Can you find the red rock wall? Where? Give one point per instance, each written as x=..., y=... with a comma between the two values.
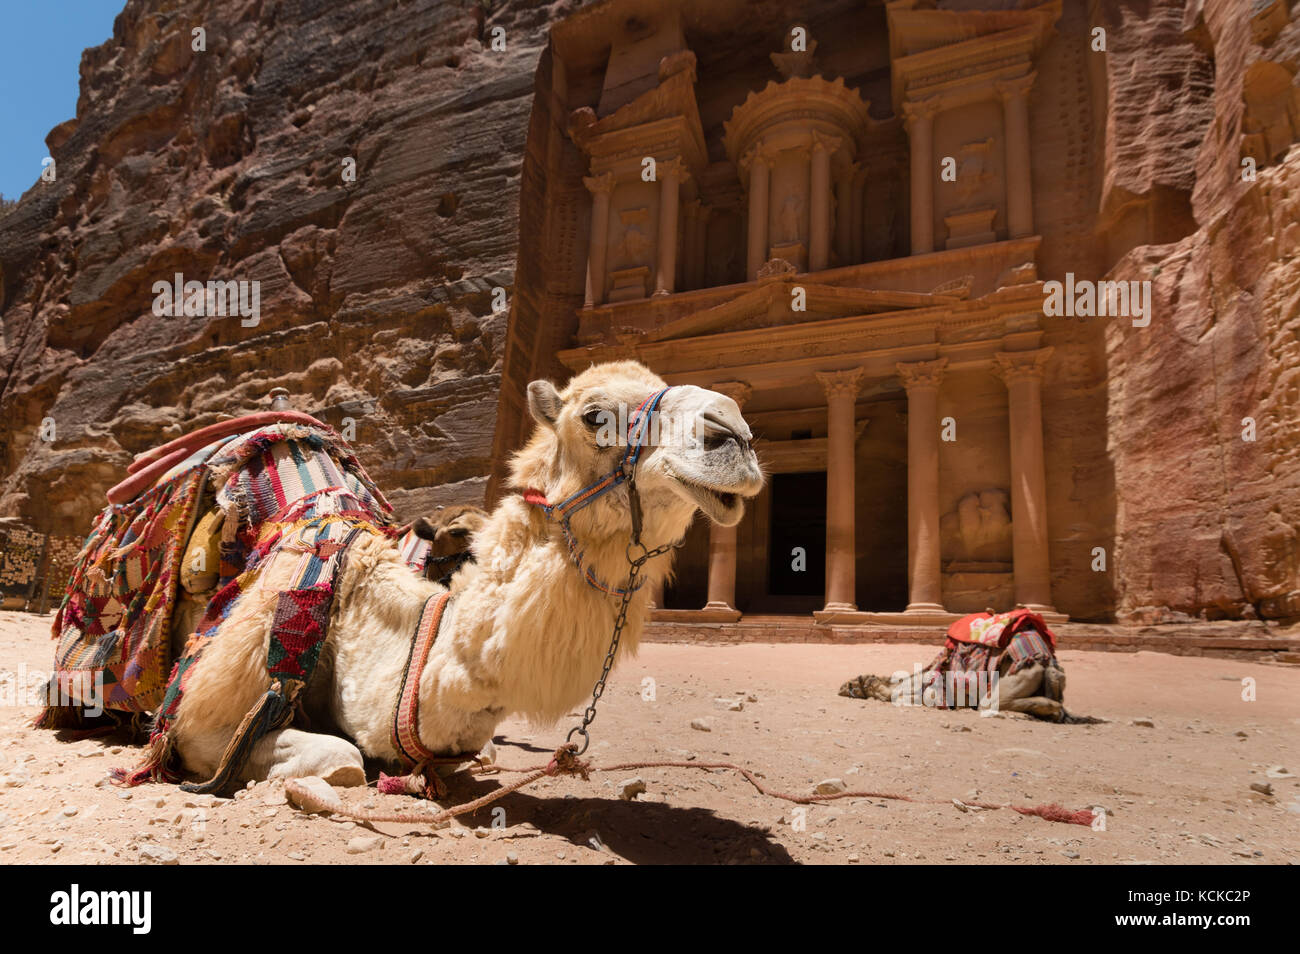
x=1206, y=521
x=227, y=164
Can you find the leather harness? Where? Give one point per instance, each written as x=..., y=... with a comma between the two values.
x=406, y=714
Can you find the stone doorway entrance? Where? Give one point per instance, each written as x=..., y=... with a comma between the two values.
x=796, y=550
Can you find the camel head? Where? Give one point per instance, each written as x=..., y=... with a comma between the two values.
x=450, y=530
x=697, y=455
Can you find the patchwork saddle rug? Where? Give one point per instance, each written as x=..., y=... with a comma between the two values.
x=981, y=643
x=977, y=646
x=287, y=494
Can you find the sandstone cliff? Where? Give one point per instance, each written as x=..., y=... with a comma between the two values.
x=1204, y=405
x=228, y=163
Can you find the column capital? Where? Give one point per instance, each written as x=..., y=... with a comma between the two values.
x=1016, y=365
x=840, y=383
x=1016, y=87
x=738, y=391
x=823, y=142
x=757, y=153
x=922, y=374
x=601, y=184
x=672, y=168
x=920, y=109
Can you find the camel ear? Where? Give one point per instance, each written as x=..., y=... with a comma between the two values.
x=544, y=403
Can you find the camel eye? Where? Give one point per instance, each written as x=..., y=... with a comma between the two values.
x=459, y=532
x=594, y=418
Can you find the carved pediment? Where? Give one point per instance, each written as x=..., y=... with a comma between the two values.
x=770, y=305
x=664, y=119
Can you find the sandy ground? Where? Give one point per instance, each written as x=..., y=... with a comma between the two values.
x=1178, y=790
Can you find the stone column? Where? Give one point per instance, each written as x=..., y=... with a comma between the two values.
x=722, y=540
x=1015, y=109
x=844, y=215
x=1022, y=372
x=670, y=173
x=841, y=389
x=925, y=584
x=760, y=169
x=920, y=132
x=601, y=187
x=819, y=197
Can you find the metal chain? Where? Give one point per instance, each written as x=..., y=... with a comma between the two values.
x=634, y=571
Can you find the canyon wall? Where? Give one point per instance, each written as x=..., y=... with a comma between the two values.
x=1204, y=404
x=376, y=295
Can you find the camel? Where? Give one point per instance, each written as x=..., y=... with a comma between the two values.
x=450, y=531
x=1029, y=678
x=526, y=630
x=1038, y=689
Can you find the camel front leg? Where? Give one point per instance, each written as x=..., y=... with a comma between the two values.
x=293, y=753
x=1020, y=693
x=1038, y=706
x=229, y=680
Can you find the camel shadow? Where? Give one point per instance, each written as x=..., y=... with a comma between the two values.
x=645, y=833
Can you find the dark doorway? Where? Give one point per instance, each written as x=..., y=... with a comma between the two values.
x=797, y=549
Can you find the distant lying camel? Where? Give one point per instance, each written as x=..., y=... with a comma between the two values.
x=1005, y=662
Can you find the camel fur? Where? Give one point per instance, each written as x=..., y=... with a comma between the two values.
x=524, y=633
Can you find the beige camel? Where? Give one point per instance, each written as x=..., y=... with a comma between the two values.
x=1038, y=689
x=525, y=632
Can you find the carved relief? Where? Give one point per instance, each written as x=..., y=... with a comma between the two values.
x=976, y=534
x=922, y=374
x=634, y=246
x=973, y=168
x=790, y=219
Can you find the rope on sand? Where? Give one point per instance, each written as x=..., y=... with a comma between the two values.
x=566, y=762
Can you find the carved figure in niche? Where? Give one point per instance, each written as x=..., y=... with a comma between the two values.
x=790, y=219
x=979, y=530
x=633, y=248
x=973, y=168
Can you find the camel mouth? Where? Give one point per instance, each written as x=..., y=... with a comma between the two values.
x=723, y=506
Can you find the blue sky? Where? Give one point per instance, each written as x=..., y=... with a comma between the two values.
x=40, y=55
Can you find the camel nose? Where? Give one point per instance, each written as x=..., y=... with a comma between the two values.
x=716, y=430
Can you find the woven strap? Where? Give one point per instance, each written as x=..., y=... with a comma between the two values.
x=406, y=717
x=638, y=436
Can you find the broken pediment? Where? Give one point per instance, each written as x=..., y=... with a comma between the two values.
x=771, y=304
x=663, y=120
x=937, y=50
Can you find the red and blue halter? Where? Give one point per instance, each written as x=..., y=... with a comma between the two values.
x=625, y=472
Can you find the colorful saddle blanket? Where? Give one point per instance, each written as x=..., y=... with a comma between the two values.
x=114, y=624
x=975, y=649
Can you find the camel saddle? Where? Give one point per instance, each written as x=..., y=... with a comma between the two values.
x=172, y=538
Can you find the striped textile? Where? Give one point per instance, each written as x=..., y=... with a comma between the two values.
x=979, y=644
x=272, y=468
x=415, y=551
x=406, y=714
x=1026, y=647
x=113, y=625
